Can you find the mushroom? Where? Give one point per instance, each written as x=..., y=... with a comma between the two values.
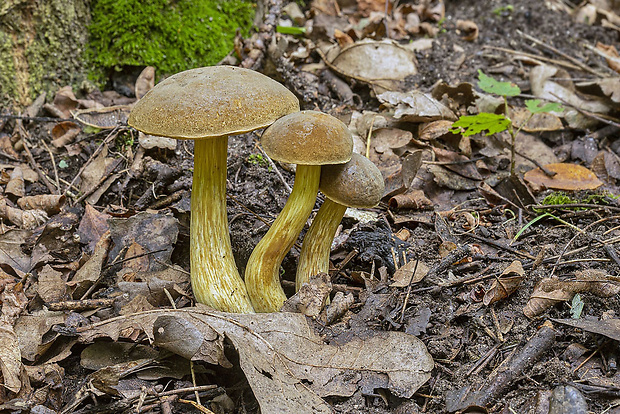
x=309, y=139
x=207, y=105
x=359, y=184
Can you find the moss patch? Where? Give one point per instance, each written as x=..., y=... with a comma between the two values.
x=170, y=35
x=41, y=44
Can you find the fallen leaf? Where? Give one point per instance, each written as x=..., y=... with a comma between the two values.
x=550, y=291
x=92, y=226
x=391, y=62
x=287, y=365
x=415, y=106
x=404, y=275
x=103, y=118
x=414, y=199
x=467, y=29
x=506, y=284
x=568, y=177
x=145, y=81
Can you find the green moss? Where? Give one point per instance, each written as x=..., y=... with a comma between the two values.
x=172, y=35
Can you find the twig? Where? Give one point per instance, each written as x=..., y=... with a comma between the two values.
x=559, y=53
x=276, y=170
x=34, y=164
x=532, y=56
x=53, y=165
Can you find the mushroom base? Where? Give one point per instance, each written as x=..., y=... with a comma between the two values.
x=215, y=279
x=262, y=274
x=314, y=256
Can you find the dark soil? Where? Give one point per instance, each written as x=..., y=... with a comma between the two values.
x=446, y=312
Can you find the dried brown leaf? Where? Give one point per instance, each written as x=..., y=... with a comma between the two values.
x=569, y=177
x=279, y=352
x=507, y=283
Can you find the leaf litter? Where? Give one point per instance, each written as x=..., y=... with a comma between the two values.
x=95, y=225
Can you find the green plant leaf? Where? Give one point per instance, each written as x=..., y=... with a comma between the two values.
x=576, y=307
x=476, y=124
x=535, y=107
x=490, y=85
x=297, y=31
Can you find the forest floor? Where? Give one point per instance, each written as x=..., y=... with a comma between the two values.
x=508, y=282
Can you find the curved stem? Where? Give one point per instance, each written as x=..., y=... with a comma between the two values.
x=215, y=278
x=314, y=256
x=262, y=276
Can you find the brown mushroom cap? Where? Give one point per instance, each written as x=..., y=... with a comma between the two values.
x=210, y=102
x=358, y=183
x=308, y=138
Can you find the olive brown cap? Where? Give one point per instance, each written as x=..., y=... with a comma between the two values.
x=358, y=183
x=308, y=138
x=212, y=101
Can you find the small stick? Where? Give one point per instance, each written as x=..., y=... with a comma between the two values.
x=53, y=165
x=276, y=170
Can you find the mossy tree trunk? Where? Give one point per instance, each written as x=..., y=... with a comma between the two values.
x=41, y=45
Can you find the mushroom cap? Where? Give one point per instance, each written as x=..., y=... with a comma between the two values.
x=210, y=102
x=309, y=138
x=358, y=183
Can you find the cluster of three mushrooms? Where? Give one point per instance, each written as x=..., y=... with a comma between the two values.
x=209, y=104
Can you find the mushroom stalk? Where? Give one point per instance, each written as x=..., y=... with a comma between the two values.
x=214, y=275
x=314, y=256
x=262, y=274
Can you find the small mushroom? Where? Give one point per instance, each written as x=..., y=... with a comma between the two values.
x=207, y=105
x=359, y=184
x=309, y=139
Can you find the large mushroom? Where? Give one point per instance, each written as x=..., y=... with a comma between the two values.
x=358, y=184
x=309, y=139
x=207, y=105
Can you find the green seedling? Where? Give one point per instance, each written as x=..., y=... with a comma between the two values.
x=489, y=123
x=62, y=164
x=258, y=159
x=576, y=307
x=504, y=11
x=291, y=30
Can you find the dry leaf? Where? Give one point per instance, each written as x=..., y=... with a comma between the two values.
x=414, y=199
x=287, y=365
x=569, y=177
x=145, y=81
x=92, y=227
x=391, y=62
x=507, y=283
x=404, y=275
x=467, y=29
x=14, y=377
x=50, y=203
x=550, y=291
x=51, y=285
x=16, y=185
x=415, y=106
x=103, y=118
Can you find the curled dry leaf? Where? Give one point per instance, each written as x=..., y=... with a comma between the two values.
x=539, y=122
x=50, y=203
x=311, y=297
x=399, y=181
x=64, y=133
x=610, y=53
x=145, y=81
x=24, y=219
x=14, y=302
x=569, y=177
x=287, y=365
x=16, y=185
x=414, y=199
x=550, y=291
x=415, y=106
x=507, y=283
x=467, y=29
x=103, y=118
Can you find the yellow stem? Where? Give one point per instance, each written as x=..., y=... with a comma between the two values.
x=314, y=256
x=215, y=278
x=262, y=274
